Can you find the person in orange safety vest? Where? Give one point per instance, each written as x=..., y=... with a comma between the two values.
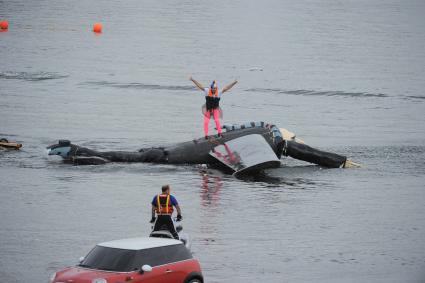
x=163, y=206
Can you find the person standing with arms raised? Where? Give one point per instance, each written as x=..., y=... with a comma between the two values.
x=212, y=97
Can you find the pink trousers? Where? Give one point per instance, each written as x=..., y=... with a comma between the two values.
x=207, y=116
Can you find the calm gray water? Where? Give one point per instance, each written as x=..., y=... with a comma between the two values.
x=345, y=76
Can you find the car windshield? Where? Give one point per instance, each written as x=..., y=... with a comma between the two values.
x=122, y=260
x=110, y=259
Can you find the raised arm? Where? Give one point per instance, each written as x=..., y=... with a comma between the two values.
x=201, y=87
x=229, y=86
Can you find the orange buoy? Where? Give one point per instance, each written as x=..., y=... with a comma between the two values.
x=97, y=27
x=4, y=25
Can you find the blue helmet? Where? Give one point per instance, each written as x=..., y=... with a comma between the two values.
x=213, y=84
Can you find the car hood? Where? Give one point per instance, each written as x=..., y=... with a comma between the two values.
x=85, y=275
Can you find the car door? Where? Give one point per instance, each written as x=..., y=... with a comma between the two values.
x=155, y=258
x=178, y=258
x=158, y=274
x=176, y=272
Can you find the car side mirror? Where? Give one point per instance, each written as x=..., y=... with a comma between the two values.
x=80, y=260
x=145, y=268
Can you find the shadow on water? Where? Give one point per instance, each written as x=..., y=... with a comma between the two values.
x=280, y=177
x=262, y=177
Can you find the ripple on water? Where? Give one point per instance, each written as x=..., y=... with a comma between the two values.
x=138, y=86
x=31, y=76
x=318, y=93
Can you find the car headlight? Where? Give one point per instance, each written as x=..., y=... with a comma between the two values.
x=99, y=280
x=52, y=277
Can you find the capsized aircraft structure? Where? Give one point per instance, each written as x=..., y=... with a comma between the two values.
x=242, y=149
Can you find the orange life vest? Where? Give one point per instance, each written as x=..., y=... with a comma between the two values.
x=163, y=204
x=211, y=94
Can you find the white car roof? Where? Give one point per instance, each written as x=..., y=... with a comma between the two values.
x=139, y=243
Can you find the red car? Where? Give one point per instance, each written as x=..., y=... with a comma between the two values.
x=136, y=260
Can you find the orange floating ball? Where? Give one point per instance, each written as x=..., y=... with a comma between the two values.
x=97, y=27
x=4, y=25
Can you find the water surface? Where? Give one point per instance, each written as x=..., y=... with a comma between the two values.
x=345, y=76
